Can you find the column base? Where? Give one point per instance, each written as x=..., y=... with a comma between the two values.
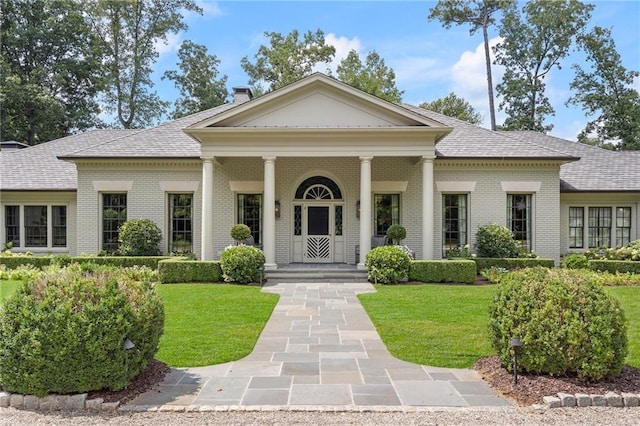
x=361, y=267
x=270, y=266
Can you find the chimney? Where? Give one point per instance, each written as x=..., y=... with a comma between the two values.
x=242, y=94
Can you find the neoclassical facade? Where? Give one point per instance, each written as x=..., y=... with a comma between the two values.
x=316, y=169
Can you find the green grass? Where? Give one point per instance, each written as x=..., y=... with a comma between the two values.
x=629, y=298
x=446, y=325
x=436, y=325
x=208, y=324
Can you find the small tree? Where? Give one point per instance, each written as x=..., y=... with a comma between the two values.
x=396, y=233
x=240, y=232
x=139, y=237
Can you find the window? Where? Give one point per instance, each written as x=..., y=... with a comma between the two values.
x=12, y=224
x=35, y=226
x=576, y=227
x=599, y=227
x=250, y=213
x=623, y=226
x=387, y=212
x=180, y=229
x=519, y=218
x=454, y=222
x=114, y=214
x=59, y=226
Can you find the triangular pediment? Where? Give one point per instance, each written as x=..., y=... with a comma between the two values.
x=317, y=101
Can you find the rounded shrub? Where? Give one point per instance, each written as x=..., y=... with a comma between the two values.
x=396, y=233
x=242, y=264
x=496, y=241
x=567, y=323
x=240, y=232
x=575, y=261
x=387, y=264
x=139, y=237
x=64, y=332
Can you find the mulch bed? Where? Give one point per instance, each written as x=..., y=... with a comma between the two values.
x=532, y=388
x=147, y=380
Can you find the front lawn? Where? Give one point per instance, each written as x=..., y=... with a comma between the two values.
x=446, y=325
x=205, y=324
x=208, y=324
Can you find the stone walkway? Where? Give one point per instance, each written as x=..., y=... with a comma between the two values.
x=319, y=349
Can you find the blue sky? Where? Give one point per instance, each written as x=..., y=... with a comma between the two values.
x=429, y=61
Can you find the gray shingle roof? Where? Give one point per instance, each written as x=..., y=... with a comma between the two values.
x=38, y=168
x=597, y=170
x=469, y=141
x=164, y=141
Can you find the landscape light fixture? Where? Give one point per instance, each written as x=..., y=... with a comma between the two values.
x=515, y=345
x=127, y=344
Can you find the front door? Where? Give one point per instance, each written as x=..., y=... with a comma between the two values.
x=318, y=241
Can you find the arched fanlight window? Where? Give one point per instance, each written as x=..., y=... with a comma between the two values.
x=318, y=188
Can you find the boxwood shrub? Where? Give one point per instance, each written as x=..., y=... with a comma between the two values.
x=575, y=261
x=510, y=264
x=566, y=321
x=613, y=266
x=242, y=264
x=387, y=264
x=64, y=332
x=139, y=237
x=188, y=271
x=443, y=271
x=12, y=262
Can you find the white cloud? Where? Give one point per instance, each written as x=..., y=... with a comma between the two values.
x=172, y=44
x=209, y=8
x=569, y=130
x=343, y=46
x=469, y=77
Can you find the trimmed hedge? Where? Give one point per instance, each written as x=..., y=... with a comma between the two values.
x=13, y=262
x=64, y=332
x=189, y=271
x=508, y=263
x=443, y=271
x=614, y=266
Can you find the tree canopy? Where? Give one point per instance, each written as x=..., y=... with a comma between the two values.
x=454, y=106
x=534, y=42
x=372, y=76
x=197, y=80
x=607, y=93
x=286, y=59
x=50, y=70
x=479, y=14
x=128, y=32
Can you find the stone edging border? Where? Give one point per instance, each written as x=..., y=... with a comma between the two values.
x=55, y=402
x=610, y=399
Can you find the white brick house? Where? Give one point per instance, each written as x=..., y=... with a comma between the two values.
x=315, y=169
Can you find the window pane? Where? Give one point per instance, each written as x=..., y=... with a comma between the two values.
x=12, y=224
x=387, y=212
x=623, y=226
x=318, y=220
x=180, y=223
x=250, y=213
x=297, y=220
x=454, y=222
x=59, y=225
x=519, y=217
x=338, y=220
x=576, y=227
x=35, y=226
x=114, y=214
x=599, y=227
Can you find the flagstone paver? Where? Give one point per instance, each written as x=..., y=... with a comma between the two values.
x=319, y=348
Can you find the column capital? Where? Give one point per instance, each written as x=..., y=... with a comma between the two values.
x=365, y=158
x=272, y=159
x=208, y=159
x=428, y=158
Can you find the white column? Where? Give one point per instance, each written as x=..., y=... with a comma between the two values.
x=269, y=219
x=427, y=208
x=365, y=209
x=206, y=244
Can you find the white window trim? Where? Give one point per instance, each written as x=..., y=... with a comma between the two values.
x=452, y=187
x=179, y=187
x=21, y=209
x=521, y=187
x=389, y=186
x=112, y=185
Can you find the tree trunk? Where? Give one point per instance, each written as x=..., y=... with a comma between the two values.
x=487, y=58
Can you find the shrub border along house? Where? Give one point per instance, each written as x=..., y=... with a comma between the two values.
x=178, y=270
x=12, y=262
x=483, y=263
x=443, y=271
x=613, y=266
